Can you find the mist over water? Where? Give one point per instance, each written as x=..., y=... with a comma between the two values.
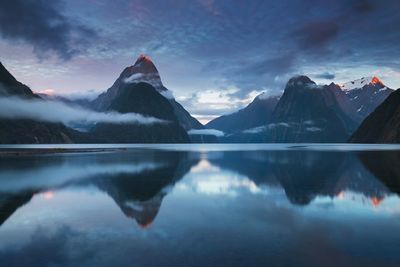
x=197, y=206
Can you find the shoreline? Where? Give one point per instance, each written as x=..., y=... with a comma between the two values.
x=45, y=151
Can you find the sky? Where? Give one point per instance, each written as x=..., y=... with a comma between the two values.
x=214, y=55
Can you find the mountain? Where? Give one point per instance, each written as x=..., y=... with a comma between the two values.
x=26, y=131
x=257, y=113
x=360, y=97
x=144, y=71
x=144, y=99
x=308, y=112
x=9, y=86
x=382, y=125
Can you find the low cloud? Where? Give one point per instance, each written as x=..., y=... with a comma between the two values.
x=134, y=78
x=167, y=94
x=255, y=130
x=53, y=111
x=206, y=132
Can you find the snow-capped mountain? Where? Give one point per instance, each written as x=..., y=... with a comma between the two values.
x=361, y=97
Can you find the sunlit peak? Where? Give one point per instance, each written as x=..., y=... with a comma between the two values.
x=376, y=80
x=144, y=57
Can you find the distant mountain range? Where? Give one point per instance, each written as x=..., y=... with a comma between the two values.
x=306, y=112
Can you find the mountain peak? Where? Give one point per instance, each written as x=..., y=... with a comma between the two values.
x=300, y=80
x=145, y=65
x=143, y=70
x=143, y=59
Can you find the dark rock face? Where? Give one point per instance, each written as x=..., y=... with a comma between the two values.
x=257, y=113
x=184, y=118
x=33, y=132
x=144, y=99
x=307, y=112
x=382, y=125
x=10, y=86
x=24, y=131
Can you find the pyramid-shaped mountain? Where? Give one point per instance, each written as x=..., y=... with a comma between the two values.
x=144, y=71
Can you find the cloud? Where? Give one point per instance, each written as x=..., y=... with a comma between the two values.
x=325, y=75
x=42, y=25
x=317, y=34
x=47, y=247
x=206, y=132
x=52, y=111
x=167, y=94
x=363, y=6
x=133, y=78
x=255, y=130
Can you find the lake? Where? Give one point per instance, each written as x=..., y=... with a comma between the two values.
x=201, y=205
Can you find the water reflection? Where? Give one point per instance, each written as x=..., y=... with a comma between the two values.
x=137, y=182
x=304, y=175
x=245, y=208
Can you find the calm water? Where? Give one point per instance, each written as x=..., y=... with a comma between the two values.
x=211, y=205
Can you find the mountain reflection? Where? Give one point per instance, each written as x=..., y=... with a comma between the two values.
x=385, y=166
x=304, y=175
x=138, y=181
